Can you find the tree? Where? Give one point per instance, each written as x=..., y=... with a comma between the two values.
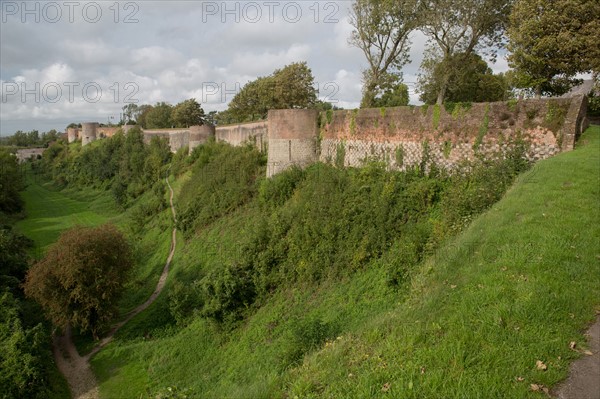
x=211, y=118
x=81, y=277
x=459, y=27
x=289, y=87
x=395, y=95
x=130, y=112
x=24, y=353
x=474, y=81
x=141, y=114
x=550, y=41
x=381, y=31
x=159, y=116
x=11, y=182
x=188, y=113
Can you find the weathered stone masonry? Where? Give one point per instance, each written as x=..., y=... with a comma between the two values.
x=401, y=137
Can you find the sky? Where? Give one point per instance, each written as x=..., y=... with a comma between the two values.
x=80, y=61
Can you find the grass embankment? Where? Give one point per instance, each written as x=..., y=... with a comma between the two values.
x=515, y=287
x=51, y=211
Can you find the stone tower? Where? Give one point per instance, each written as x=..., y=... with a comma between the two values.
x=72, y=134
x=88, y=132
x=293, y=135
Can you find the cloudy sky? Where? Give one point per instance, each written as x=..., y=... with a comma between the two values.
x=75, y=61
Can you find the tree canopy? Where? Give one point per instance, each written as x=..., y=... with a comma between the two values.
x=470, y=80
x=11, y=182
x=187, y=113
x=457, y=28
x=289, y=87
x=159, y=116
x=81, y=277
x=381, y=31
x=550, y=41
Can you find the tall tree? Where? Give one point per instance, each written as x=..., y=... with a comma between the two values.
x=289, y=87
x=395, y=95
x=381, y=31
x=141, y=113
x=159, y=116
x=550, y=41
x=188, y=113
x=81, y=277
x=458, y=27
x=129, y=112
x=11, y=182
x=474, y=81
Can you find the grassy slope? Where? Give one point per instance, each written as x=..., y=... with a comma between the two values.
x=49, y=211
x=516, y=287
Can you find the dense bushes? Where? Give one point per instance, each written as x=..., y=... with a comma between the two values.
x=324, y=222
x=122, y=163
x=11, y=182
x=81, y=277
x=223, y=178
x=24, y=339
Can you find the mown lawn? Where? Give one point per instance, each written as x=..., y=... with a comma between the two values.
x=516, y=287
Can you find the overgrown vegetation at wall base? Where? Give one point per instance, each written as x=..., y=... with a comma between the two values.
x=122, y=163
x=325, y=223
x=471, y=320
x=26, y=368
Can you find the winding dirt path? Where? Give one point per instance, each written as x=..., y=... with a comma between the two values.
x=76, y=368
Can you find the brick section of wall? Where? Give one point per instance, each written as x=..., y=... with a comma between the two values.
x=447, y=138
x=293, y=135
x=252, y=132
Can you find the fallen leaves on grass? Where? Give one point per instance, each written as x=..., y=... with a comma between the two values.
x=541, y=366
x=539, y=388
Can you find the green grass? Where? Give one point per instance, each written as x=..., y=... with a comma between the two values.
x=516, y=287
x=49, y=211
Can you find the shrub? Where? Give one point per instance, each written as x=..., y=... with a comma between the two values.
x=277, y=190
x=223, y=178
x=81, y=277
x=305, y=336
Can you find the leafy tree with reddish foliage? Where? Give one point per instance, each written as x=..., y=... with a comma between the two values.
x=81, y=277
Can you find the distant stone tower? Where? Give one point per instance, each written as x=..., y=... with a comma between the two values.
x=72, y=134
x=200, y=135
x=88, y=132
x=293, y=135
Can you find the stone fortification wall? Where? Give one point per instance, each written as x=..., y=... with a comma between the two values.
x=88, y=132
x=408, y=136
x=200, y=135
x=252, y=132
x=293, y=137
x=72, y=134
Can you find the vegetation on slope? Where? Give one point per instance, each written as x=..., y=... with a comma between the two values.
x=26, y=369
x=256, y=294
x=350, y=282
